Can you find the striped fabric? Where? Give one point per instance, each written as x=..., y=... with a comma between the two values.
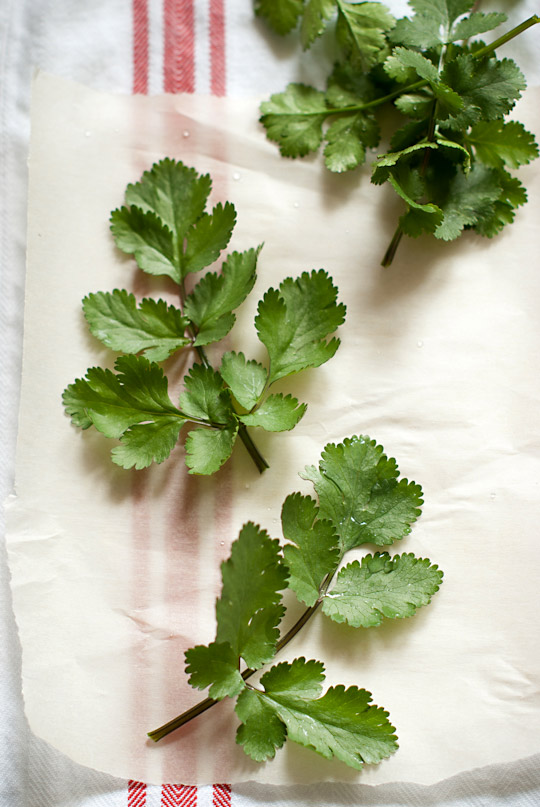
x=170, y=66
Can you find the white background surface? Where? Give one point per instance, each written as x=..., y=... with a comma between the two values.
x=95, y=48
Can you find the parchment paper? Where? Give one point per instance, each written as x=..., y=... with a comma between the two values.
x=115, y=573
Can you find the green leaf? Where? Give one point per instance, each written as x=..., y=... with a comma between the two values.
x=387, y=160
x=249, y=609
x=497, y=143
x=360, y=494
x=407, y=183
x=492, y=219
x=477, y=23
x=488, y=88
x=281, y=15
x=261, y=731
x=209, y=235
x=341, y=723
x=316, y=15
x=173, y=192
x=402, y=60
x=143, y=235
x=293, y=119
x=468, y=198
x=166, y=228
x=215, y=666
x=315, y=553
x=113, y=402
x=208, y=449
x=145, y=443
x=294, y=321
x=381, y=586
x=432, y=25
x=361, y=32
x=153, y=327
x=416, y=105
x=214, y=298
x=347, y=139
x=278, y=413
x=246, y=379
x=205, y=396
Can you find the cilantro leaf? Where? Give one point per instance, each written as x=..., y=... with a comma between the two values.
x=497, y=143
x=174, y=193
x=214, y=298
x=316, y=15
x=293, y=323
x=281, y=15
x=468, y=198
x=143, y=235
x=165, y=226
x=246, y=378
x=215, y=666
x=361, y=32
x=293, y=119
x=313, y=553
x=487, y=87
x=208, y=449
x=145, y=443
x=138, y=392
x=207, y=237
x=491, y=219
x=477, y=23
x=261, y=731
x=381, y=586
x=278, y=413
x=205, y=397
x=249, y=609
x=360, y=494
x=155, y=328
x=436, y=22
x=341, y=723
x=347, y=139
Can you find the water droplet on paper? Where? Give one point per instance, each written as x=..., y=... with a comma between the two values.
x=222, y=543
x=185, y=133
x=296, y=204
x=87, y=134
x=236, y=176
x=492, y=495
x=420, y=343
x=247, y=486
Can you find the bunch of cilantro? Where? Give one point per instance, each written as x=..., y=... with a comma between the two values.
x=450, y=153
x=164, y=225
x=361, y=501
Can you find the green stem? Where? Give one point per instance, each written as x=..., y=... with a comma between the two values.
x=392, y=247
x=253, y=451
x=207, y=703
x=502, y=40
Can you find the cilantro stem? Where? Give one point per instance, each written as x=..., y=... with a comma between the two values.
x=253, y=451
x=207, y=703
x=502, y=40
x=392, y=247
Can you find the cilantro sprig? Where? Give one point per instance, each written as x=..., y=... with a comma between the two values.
x=165, y=226
x=450, y=156
x=360, y=500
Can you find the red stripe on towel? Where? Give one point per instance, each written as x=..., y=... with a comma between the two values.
x=140, y=46
x=221, y=796
x=217, y=47
x=179, y=55
x=178, y=796
x=136, y=794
